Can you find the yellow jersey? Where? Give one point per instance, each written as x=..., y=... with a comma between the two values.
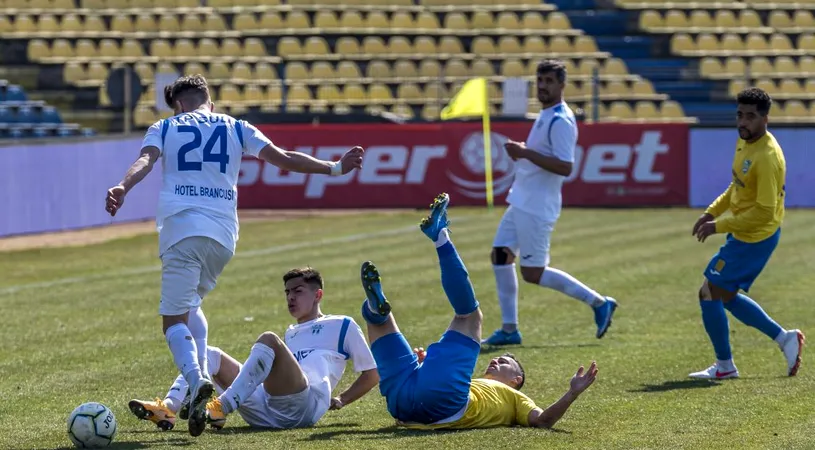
x=755, y=197
x=492, y=404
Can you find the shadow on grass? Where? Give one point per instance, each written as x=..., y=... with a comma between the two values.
x=676, y=385
x=251, y=430
x=392, y=432
x=172, y=442
x=487, y=349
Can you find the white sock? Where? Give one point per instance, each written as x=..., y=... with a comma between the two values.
x=175, y=396
x=506, y=283
x=197, y=323
x=214, y=360
x=726, y=366
x=781, y=338
x=184, y=353
x=444, y=237
x=571, y=286
x=254, y=371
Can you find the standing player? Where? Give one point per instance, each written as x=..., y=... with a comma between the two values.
x=435, y=389
x=282, y=384
x=197, y=217
x=755, y=198
x=543, y=162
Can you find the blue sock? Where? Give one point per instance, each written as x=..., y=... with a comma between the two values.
x=455, y=280
x=372, y=317
x=715, y=320
x=750, y=313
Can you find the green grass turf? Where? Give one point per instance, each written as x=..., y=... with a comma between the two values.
x=81, y=324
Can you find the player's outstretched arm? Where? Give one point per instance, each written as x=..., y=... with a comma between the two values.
x=304, y=163
x=366, y=381
x=138, y=170
x=580, y=382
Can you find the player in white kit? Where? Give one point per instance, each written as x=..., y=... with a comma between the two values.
x=283, y=384
x=197, y=218
x=542, y=163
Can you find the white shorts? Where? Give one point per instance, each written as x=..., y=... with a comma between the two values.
x=299, y=410
x=189, y=270
x=526, y=235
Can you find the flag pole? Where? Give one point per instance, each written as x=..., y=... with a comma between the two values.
x=485, y=120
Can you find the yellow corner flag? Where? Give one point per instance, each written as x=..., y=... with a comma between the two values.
x=473, y=101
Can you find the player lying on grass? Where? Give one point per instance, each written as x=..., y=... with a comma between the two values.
x=283, y=384
x=438, y=391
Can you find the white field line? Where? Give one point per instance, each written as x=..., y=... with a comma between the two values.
x=244, y=254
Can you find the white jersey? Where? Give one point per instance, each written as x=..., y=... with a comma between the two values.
x=201, y=157
x=323, y=345
x=535, y=190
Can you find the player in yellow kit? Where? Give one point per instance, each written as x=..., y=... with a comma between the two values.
x=436, y=390
x=755, y=199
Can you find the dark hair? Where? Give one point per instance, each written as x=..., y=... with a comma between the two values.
x=523, y=374
x=758, y=97
x=310, y=276
x=188, y=86
x=553, y=65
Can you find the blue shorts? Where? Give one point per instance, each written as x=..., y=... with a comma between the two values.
x=739, y=263
x=428, y=392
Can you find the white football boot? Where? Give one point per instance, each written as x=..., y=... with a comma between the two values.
x=793, y=347
x=715, y=372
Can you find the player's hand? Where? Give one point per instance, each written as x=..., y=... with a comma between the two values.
x=515, y=149
x=352, y=159
x=583, y=378
x=115, y=199
x=336, y=404
x=706, y=217
x=419, y=351
x=705, y=230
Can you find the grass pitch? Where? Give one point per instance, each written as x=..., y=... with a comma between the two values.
x=81, y=324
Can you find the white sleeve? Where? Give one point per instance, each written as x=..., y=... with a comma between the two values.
x=152, y=138
x=253, y=139
x=563, y=139
x=357, y=347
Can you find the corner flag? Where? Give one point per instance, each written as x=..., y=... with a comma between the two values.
x=473, y=101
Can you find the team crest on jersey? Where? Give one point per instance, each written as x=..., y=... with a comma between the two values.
x=316, y=328
x=746, y=166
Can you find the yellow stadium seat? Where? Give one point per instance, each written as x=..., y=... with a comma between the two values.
x=784, y=65
x=533, y=20
x=615, y=88
x=560, y=44
x=244, y=22
x=326, y=19
x=328, y=93
x=780, y=43
x=63, y=4
x=355, y=94
x=347, y=45
x=123, y=24
x=735, y=87
x=61, y=48
x=587, y=66
x=374, y=45
x=97, y=71
x=731, y=43
x=400, y=45
x=710, y=67
x=143, y=116
x=435, y=90
x=192, y=22
x=646, y=111
x=348, y=70
x=509, y=45
x=296, y=70
x=450, y=45
x=252, y=95
x=494, y=91
x=168, y=24
x=47, y=24
x=482, y=20
x=5, y=25
x=71, y=24
x=341, y=109
x=425, y=45
x=482, y=68
x=809, y=87
x=615, y=66
x=298, y=20
x=790, y=88
x=676, y=19
x=316, y=45
x=670, y=109
x=214, y=22
x=85, y=48
x=404, y=111
x=803, y=19
x=574, y=90
x=219, y=71
x=289, y=46
x=73, y=72
x=682, y=43
x=534, y=45
x=707, y=42
x=430, y=68
x=620, y=111
x=726, y=19
x=241, y=72
x=229, y=94
x=650, y=20
x=186, y=4
x=749, y=19
x=430, y=112
x=374, y=110
x=456, y=21
x=378, y=70
x=780, y=19
x=456, y=68
x=322, y=70
x=806, y=65
x=377, y=20
x=806, y=42
x=24, y=24
x=184, y=48
x=265, y=72
x=208, y=48
x=402, y=19
x=643, y=88
x=761, y=66
x=37, y=50
x=767, y=85
x=271, y=20
x=700, y=18
x=483, y=45
x=558, y=21
x=795, y=109
x=254, y=48
x=89, y=4
x=408, y=91
x=160, y=48
x=427, y=20
x=508, y=21
x=405, y=68
x=512, y=67
x=194, y=68
x=735, y=65
x=145, y=23
x=132, y=49
x=755, y=42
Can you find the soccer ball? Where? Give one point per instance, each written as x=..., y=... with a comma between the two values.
x=92, y=425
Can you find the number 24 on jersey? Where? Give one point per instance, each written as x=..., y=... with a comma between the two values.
x=218, y=138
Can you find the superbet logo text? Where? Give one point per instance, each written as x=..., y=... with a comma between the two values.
x=618, y=163
x=383, y=165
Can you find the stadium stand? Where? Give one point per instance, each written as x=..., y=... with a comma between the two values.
x=634, y=61
x=24, y=118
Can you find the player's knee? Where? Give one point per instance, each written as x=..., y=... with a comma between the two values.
x=270, y=339
x=502, y=256
x=532, y=274
x=704, y=292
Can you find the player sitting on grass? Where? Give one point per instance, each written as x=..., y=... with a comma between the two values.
x=282, y=384
x=439, y=392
